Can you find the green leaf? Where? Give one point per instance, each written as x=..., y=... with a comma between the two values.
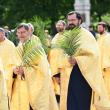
x=31, y=52
x=69, y=41
x=40, y=26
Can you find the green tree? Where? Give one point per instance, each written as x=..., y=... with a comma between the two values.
x=99, y=8
x=3, y=8
x=19, y=10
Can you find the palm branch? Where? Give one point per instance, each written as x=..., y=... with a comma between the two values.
x=69, y=41
x=31, y=52
x=40, y=26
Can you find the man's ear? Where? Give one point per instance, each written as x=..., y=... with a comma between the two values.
x=80, y=22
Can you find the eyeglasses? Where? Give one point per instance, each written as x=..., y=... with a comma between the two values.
x=22, y=32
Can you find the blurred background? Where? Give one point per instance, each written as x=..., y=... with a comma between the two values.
x=13, y=12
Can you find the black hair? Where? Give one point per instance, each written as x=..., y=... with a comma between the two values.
x=78, y=15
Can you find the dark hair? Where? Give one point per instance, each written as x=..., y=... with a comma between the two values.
x=103, y=24
x=78, y=15
x=23, y=25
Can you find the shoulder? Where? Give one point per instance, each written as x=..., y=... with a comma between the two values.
x=87, y=35
x=9, y=43
x=107, y=38
x=85, y=31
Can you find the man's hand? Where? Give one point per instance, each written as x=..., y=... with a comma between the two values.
x=18, y=70
x=72, y=60
x=58, y=80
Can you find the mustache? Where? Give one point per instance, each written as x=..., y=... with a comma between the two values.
x=70, y=26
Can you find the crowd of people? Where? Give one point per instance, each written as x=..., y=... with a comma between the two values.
x=32, y=79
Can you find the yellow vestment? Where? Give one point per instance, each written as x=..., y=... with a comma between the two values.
x=3, y=90
x=55, y=83
x=104, y=45
x=36, y=89
x=8, y=56
x=87, y=58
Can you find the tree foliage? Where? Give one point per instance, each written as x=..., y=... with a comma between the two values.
x=13, y=12
x=18, y=10
x=99, y=8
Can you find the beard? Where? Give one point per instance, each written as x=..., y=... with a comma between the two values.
x=70, y=27
x=101, y=32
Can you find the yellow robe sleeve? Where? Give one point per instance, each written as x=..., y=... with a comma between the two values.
x=58, y=60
